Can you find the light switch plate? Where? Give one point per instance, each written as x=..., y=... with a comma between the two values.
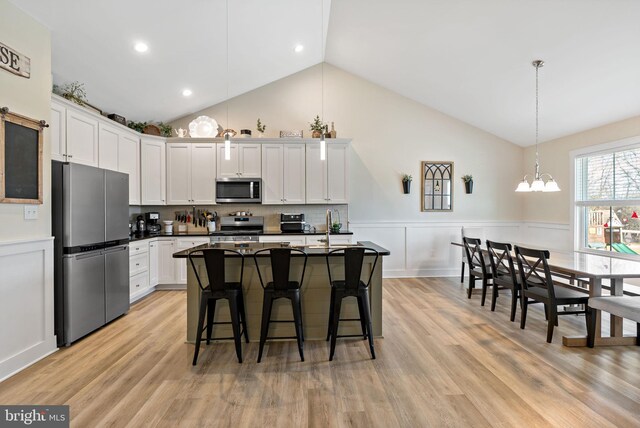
x=30, y=212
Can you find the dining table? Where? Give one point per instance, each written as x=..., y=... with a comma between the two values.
x=591, y=270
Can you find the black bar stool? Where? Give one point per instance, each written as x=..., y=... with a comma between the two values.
x=281, y=288
x=218, y=288
x=351, y=286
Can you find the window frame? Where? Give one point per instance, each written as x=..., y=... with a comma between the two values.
x=579, y=208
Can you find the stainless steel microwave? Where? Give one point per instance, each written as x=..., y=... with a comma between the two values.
x=238, y=190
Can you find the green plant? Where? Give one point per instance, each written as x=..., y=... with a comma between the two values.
x=317, y=124
x=165, y=129
x=73, y=91
x=467, y=178
x=137, y=126
x=260, y=126
x=407, y=177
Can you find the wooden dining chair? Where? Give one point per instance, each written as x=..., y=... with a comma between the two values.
x=538, y=287
x=479, y=269
x=504, y=274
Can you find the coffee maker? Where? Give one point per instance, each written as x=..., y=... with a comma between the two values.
x=153, y=223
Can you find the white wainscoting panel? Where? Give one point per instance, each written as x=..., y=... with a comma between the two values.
x=552, y=236
x=26, y=304
x=421, y=249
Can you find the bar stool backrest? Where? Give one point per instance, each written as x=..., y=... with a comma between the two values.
x=280, y=266
x=353, y=261
x=529, y=263
x=473, y=248
x=214, y=260
x=501, y=260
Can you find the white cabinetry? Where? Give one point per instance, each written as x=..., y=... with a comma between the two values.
x=120, y=151
x=139, y=285
x=166, y=263
x=57, y=130
x=153, y=263
x=244, y=161
x=283, y=174
x=82, y=138
x=153, y=171
x=335, y=239
x=184, y=244
x=191, y=173
x=327, y=181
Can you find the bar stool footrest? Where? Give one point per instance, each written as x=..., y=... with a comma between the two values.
x=281, y=337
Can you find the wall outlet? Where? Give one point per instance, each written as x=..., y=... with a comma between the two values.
x=30, y=212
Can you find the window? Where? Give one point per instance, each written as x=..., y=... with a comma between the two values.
x=608, y=201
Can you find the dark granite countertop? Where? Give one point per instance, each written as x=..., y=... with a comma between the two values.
x=249, y=249
x=195, y=234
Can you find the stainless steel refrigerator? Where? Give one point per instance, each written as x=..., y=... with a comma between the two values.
x=90, y=215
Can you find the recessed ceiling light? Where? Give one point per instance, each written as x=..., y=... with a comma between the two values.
x=298, y=48
x=187, y=92
x=141, y=47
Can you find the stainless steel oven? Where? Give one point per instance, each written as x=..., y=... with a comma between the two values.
x=239, y=190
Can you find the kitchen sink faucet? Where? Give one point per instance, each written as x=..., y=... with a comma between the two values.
x=326, y=240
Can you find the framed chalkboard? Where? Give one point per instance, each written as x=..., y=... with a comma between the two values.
x=20, y=159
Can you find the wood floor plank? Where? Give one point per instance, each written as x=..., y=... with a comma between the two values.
x=444, y=361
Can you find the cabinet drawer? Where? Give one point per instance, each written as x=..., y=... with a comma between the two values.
x=138, y=263
x=335, y=239
x=183, y=244
x=138, y=282
x=138, y=247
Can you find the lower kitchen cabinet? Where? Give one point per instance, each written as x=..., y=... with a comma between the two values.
x=139, y=285
x=184, y=244
x=335, y=239
x=166, y=263
x=292, y=239
x=153, y=263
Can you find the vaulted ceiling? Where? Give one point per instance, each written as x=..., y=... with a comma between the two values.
x=467, y=58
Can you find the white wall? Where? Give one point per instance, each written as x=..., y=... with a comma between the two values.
x=391, y=135
x=28, y=97
x=26, y=248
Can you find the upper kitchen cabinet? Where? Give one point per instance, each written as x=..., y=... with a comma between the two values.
x=283, y=174
x=58, y=133
x=327, y=181
x=244, y=161
x=82, y=138
x=191, y=173
x=119, y=150
x=153, y=163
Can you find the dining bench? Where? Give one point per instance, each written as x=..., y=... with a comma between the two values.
x=627, y=307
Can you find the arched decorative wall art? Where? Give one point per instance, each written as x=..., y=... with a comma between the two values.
x=437, y=186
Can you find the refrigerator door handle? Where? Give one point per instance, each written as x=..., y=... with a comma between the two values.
x=114, y=250
x=88, y=255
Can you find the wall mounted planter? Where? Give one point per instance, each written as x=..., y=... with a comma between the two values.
x=406, y=187
x=468, y=186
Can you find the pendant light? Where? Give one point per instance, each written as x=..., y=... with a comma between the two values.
x=227, y=137
x=538, y=184
x=323, y=143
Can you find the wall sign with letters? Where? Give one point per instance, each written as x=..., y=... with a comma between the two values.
x=15, y=62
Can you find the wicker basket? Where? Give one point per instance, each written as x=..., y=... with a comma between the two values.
x=151, y=129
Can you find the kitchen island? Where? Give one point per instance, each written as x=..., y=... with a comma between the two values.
x=315, y=291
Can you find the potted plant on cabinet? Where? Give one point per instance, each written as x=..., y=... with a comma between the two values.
x=317, y=127
x=406, y=183
x=260, y=127
x=468, y=183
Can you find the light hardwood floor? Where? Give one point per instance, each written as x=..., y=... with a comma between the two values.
x=444, y=361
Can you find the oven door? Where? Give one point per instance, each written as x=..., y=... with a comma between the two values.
x=238, y=190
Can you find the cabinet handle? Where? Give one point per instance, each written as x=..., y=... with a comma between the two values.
x=137, y=264
x=69, y=156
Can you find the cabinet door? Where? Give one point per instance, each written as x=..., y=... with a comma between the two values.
x=178, y=173
x=153, y=264
x=227, y=167
x=203, y=173
x=57, y=132
x=108, y=147
x=152, y=173
x=166, y=262
x=316, y=175
x=337, y=173
x=272, y=177
x=82, y=138
x=294, y=174
x=249, y=160
x=129, y=163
